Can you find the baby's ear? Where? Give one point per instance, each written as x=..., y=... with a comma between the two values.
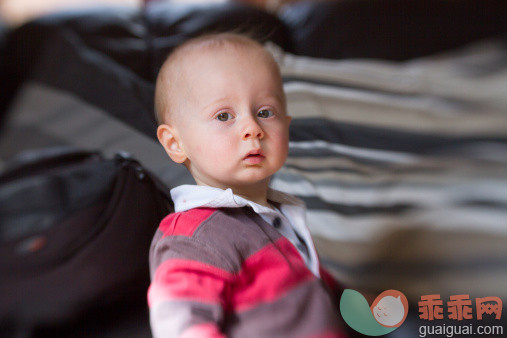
x=170, y=140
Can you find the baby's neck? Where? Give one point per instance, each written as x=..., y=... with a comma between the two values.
x=257, y=193
x=262, y=200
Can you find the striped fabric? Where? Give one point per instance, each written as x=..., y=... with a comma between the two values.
x=403, y=167
x=226, y=272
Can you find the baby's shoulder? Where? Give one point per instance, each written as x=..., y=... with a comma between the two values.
x=180, y=237
x=219, y=237
x=236, y=233
x=185, y=223
x=207, y=221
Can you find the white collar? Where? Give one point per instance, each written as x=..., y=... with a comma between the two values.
x=186, y=197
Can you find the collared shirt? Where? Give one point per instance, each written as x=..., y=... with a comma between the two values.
x=289, y=217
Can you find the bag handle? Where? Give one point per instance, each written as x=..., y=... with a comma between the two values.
x=141, y=172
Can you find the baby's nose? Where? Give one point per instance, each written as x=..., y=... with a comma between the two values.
x=253, y=130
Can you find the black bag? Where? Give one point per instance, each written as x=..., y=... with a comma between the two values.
x=75, y=231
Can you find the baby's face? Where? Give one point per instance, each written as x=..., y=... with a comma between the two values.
x=231, y=119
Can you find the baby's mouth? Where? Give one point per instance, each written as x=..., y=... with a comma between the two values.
x=254, y=157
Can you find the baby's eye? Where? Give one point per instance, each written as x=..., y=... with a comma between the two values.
x=224, y=117
x=265, y=113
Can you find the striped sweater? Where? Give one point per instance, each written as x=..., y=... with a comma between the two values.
x=226, y=272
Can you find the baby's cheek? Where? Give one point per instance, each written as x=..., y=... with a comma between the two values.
x=283, y=146
x=205, y=149
x=215, y=157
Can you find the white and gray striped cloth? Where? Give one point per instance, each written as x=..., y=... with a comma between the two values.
x=403, y=167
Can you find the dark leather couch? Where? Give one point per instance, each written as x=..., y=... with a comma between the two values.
x=138, y=39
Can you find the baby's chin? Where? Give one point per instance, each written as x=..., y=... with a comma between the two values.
x=246, y=178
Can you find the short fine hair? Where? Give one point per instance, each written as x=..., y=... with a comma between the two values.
x=172, y=65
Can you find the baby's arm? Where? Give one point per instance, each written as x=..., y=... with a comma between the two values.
x=186, y=296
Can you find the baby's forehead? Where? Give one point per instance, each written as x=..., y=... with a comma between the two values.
x=181, y=66
x=196, y=59
x=219, y=64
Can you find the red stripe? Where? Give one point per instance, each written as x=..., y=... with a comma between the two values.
x=208, y=330
x=184, y=223
x=190, y=280
x=269, y=274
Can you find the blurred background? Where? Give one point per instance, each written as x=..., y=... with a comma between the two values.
x=398, y=147
x=15, y=12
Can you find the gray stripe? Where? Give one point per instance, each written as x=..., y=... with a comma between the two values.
x=153, y=255
x=189, y=248
x=412, y=185
x=364, y=136
x=172, y=318
x=449, y=178
x=333, y=149
x=394, y=209
x=340, y=186
x=396, y=198
x=357, y=210
x=462, y=250
x=411, y=113
x=306, y=310
x=237, y=232
x=324, y=159
x=425, y=164
x=370, y=228
x=484, y=186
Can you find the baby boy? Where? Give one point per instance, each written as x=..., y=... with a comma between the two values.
x=236, y=258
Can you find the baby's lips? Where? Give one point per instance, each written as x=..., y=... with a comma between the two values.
x=254, y=153
x=254, y=157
